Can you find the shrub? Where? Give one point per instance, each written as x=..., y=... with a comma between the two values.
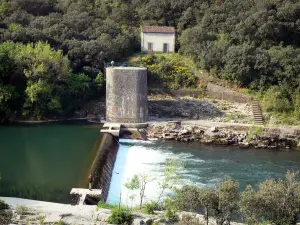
x=22, y=210
x=3, y=205
x=61, y=222
x=277, y=201
x=171, y=72
x=120, y=216
x=104, y=205
x=190, y=220
x=253, y=132
x=5, y=217
x=150, y=207
x=277, y=100
x=171, y=205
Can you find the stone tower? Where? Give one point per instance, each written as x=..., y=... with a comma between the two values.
x=126, y=95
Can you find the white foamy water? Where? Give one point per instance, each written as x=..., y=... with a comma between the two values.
x=132, y=160
x=205, y=166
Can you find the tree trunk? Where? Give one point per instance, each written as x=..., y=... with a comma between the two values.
x=206, y=214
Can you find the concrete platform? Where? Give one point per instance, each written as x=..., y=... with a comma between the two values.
x=83, y=193
x=111, y=128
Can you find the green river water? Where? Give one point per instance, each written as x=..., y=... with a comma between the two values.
x=45, y=161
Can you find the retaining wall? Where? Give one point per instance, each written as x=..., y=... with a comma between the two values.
x=219, y=92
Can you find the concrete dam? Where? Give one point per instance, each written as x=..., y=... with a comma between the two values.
x=126, y=115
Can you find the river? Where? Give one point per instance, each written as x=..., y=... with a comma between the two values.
x=204, y=165
x=43, y=162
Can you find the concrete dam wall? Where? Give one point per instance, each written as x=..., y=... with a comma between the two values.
x=103, y=164
x=126, y=95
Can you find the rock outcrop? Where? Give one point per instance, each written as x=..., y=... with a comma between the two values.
x=239, y=135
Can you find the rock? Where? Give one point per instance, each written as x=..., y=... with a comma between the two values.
x=214, y=129
x=148, y=221
x=161, y=220
x=183, y=132
x=138, y=222
x=211, y=134
x=244, y=144
x=103, y=217
x=52, y=218
x=169, y=136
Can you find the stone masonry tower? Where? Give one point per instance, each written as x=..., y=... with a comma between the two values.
x=126, y=95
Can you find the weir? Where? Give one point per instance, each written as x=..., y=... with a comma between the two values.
x=126, y=115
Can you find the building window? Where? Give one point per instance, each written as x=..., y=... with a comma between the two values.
x=150, y=47
x=166, y=48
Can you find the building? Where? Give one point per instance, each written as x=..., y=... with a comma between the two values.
x=158, y=39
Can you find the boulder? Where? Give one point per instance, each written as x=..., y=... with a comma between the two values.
x=148, y=221
x=138, y=221
x=214, y=129
x=183, y=132
x=103, y=217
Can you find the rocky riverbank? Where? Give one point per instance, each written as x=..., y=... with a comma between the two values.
x=245, y=136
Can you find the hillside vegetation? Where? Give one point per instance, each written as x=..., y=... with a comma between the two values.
x=53, y=52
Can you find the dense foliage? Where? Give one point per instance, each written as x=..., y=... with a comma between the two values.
x=252, y=43
x=120, y=215
x=169, y=72
x=273, y=202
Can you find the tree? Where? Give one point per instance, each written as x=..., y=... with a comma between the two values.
x=144, y=179
x=225, y=203
x=277, y=201
x=46, y=70
x=171, y=177
x=132, y=185
x=206, y=198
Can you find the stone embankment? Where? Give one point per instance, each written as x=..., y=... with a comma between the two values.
x=226, y=134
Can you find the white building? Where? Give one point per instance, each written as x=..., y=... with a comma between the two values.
x=158, y=39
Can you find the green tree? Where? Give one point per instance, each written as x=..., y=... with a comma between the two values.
x=277, y=201
x=46, y=71
x=171, y=177
x=225, y=203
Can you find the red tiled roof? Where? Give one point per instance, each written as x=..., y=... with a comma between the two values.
x=158, y=29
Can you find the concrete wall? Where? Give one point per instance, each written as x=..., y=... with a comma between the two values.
x=126, y=95
x=103, y=165
x=223, y=93
x=158, y=40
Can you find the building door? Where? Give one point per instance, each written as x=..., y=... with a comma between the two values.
x=150, y=47
x=166, y=48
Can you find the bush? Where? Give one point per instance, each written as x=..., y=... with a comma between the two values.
x=61, y=222
x=171, y=72
x=5, y=217
x=150, y=207
x=22, y=210
x=277, y=101
x=120, y=216
x=3, y=205
x=104, y=205
x=253, y=132
x=277, y=201
x=190, y=220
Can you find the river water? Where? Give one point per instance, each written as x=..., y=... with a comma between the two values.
x=43, y=162
x=204, y=165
